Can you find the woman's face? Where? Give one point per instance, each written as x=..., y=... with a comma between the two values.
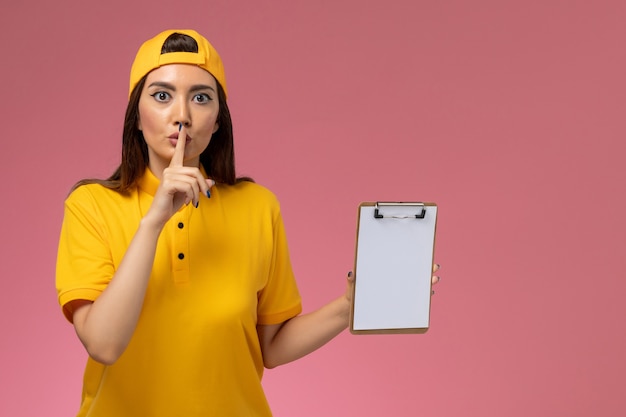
x=174, y=94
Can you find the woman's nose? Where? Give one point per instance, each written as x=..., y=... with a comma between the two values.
x=181, y=112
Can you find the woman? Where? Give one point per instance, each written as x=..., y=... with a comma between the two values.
x=175, y=273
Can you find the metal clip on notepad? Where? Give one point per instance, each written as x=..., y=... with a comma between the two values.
x=420, y=215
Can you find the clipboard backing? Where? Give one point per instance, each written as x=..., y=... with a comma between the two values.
x=393, y=267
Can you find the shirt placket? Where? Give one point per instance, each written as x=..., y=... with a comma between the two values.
x=181, y=253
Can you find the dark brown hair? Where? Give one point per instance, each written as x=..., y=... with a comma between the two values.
x=218, y=159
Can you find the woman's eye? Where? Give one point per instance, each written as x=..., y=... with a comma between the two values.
x=161, y=96
x=201, y=98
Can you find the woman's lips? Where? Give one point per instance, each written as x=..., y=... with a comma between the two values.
x=174, y=138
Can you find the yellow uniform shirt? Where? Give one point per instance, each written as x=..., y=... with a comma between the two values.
x=220, y=269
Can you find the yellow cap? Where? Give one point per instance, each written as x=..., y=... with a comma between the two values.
x=149, y=57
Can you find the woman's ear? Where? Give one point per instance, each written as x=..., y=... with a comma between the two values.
x=215, y=129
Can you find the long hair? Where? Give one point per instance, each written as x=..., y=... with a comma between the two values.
x=218, y=159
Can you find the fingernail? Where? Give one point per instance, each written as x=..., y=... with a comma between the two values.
x=180, y=127
x=197, y=203
x=208, y=193
x=349, y=274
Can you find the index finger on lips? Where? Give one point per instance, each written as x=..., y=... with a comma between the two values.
x=179, y=151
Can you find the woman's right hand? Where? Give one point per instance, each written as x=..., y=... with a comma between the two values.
x=179, y=185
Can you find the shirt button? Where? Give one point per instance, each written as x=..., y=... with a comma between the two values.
x=181, y=256
x=181, y=225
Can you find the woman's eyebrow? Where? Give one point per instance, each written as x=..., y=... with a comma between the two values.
x=198, y=87
x=193, y=88
x=162, y=85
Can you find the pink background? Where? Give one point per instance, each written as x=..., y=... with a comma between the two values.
x=509, y=114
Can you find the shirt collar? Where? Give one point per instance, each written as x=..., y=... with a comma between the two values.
x=148, y=182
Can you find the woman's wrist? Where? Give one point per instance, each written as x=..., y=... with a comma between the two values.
x=149, y=224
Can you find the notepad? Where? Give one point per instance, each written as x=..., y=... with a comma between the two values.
x=393, y=267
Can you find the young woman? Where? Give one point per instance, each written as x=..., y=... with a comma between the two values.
x=174, y=272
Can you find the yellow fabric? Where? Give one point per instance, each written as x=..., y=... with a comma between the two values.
x=195, y=351
x=149, y=57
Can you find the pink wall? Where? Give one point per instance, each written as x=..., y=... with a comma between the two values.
x=509, y=114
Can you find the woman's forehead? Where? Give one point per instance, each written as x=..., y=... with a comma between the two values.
x=181, y=74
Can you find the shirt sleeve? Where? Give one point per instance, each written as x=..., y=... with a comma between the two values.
x=280, y=299
x=84, y=263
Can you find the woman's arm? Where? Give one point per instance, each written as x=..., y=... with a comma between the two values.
x=106, y=326
x=301, y=335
